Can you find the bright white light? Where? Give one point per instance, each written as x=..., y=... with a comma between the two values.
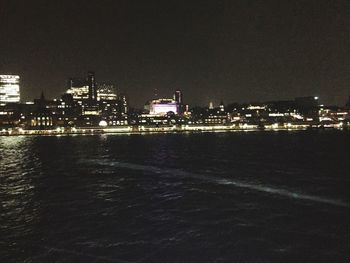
x=276, y=114
x=103, y=123
x=252, y=107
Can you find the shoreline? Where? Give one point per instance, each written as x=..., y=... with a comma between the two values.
x=167, y=129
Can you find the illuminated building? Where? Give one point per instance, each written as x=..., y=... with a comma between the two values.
x=216, y=119
x=79, y=93
x=216, y=115
x=79, y=90
x=163, y=106
x=41, y=117
x=106, y=92
x=124, y=105
x=93, y=110
x=9, y=89
x=96, y=102
x=91, y=82
x=256, y=107
x=83, y=91
x=222, y=106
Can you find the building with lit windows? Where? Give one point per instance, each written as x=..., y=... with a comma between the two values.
x=9, y=89
x=91, y=82
x=41, y=117
x=88, y=91
x=79, y=90
x=106, y=92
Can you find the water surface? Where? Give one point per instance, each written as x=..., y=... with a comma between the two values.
x=202, y=197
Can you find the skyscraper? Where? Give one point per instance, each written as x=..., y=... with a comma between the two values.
x=106, y=92
x=9, y=89
x=178, y=96
x=179, y=101
x=91, y=81
x=79, y=90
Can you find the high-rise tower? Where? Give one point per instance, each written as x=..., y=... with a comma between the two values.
x=91, y=81
x=9, y=89
x=178, y=96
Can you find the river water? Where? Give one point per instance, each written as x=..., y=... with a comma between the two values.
x=197, y=197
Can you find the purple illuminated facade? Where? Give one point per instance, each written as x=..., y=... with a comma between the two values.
x=163, y=106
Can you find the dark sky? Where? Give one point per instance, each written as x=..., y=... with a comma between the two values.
x=232, y=50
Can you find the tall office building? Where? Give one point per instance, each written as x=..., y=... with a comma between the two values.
x=179, y=101
x=91, y=81
x=106, y=92
x=84, y=90
x=79, y=90
x=9, y=89
x=178, y=97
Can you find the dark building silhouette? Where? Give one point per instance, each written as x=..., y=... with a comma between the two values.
x=41, y=118
x=347, y=105
x=178, y=96
x=307, y=104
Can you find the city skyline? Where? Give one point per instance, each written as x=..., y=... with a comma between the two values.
x=236, y=51
x=89, y=88
x=174, y=131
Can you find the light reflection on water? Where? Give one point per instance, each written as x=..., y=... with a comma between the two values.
x=19, y=208
x=170, y=198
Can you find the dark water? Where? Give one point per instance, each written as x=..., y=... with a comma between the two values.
x=213, y=197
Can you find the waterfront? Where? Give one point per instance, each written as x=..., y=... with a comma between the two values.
x=141, y=129
x=232, y=197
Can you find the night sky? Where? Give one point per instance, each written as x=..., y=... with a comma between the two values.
x=237, y=51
